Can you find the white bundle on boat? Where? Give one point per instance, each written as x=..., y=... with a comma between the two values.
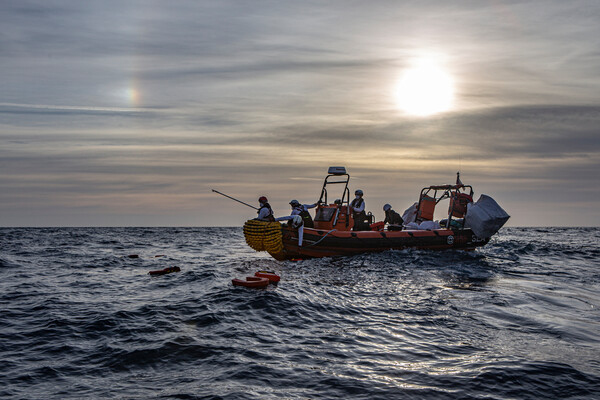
x=410, y=214
x=485, y=217
x=428, y=225
x=423, y=226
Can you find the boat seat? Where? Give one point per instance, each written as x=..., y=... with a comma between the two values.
x=426, y=208
x=458, y=204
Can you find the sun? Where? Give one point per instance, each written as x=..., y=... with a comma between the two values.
x=424, y=89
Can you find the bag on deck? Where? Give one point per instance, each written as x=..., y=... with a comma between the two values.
x=485, y=217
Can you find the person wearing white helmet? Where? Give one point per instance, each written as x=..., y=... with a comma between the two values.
x=296, y=222
x=392, y=218
x=358, y=211
x=302, y=211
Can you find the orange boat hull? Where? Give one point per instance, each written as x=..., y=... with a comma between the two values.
x=323, y=243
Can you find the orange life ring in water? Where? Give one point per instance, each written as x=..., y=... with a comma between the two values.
x=251, y=281
x=269, y=275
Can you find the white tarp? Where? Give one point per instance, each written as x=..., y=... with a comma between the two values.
x=485, y=217
x=423, y=226
x=410, y=214
x=429, y=225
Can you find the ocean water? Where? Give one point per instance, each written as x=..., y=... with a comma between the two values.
x=517, y=319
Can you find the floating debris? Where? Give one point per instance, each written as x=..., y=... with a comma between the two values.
x=167, y=270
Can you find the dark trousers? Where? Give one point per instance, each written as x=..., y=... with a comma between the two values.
x=360, y=223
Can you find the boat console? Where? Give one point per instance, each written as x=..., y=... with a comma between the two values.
x=336, y=215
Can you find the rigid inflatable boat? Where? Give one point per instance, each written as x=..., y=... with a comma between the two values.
x=467, y=226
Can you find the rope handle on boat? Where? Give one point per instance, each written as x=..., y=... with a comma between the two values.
x=318, y=241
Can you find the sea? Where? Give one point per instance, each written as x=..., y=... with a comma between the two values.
x=81, y=318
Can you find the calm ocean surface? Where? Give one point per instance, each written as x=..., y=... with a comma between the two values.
x=517, y=319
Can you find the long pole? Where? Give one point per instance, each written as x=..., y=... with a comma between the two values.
x=239, y=201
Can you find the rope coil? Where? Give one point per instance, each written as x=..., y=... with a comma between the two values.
x=263, y=236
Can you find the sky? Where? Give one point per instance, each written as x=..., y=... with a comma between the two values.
x=128, y=113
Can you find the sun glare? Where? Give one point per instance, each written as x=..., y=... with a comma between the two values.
x=424, y=90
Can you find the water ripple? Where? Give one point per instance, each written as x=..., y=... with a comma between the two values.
x=81, y=319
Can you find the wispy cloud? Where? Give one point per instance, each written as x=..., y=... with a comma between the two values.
x=14, y=107
x=136, y=109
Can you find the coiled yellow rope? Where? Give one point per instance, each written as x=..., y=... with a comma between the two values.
x=263, y=236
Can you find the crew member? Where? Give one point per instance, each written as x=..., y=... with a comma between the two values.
x=358, y=211
x=296, y=222
x=265, y=212
x=302, y=211
x=392, y=218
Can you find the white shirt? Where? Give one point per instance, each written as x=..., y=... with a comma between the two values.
x=303, y=207
x=361, y=208
x=263, y=214
x=296, y=218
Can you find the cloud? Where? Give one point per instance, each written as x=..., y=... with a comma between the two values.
x=113, y=106
x=13, y=108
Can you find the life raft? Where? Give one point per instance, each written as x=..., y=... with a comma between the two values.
x=167, y=270
x=251, y=281
x=271, y=276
